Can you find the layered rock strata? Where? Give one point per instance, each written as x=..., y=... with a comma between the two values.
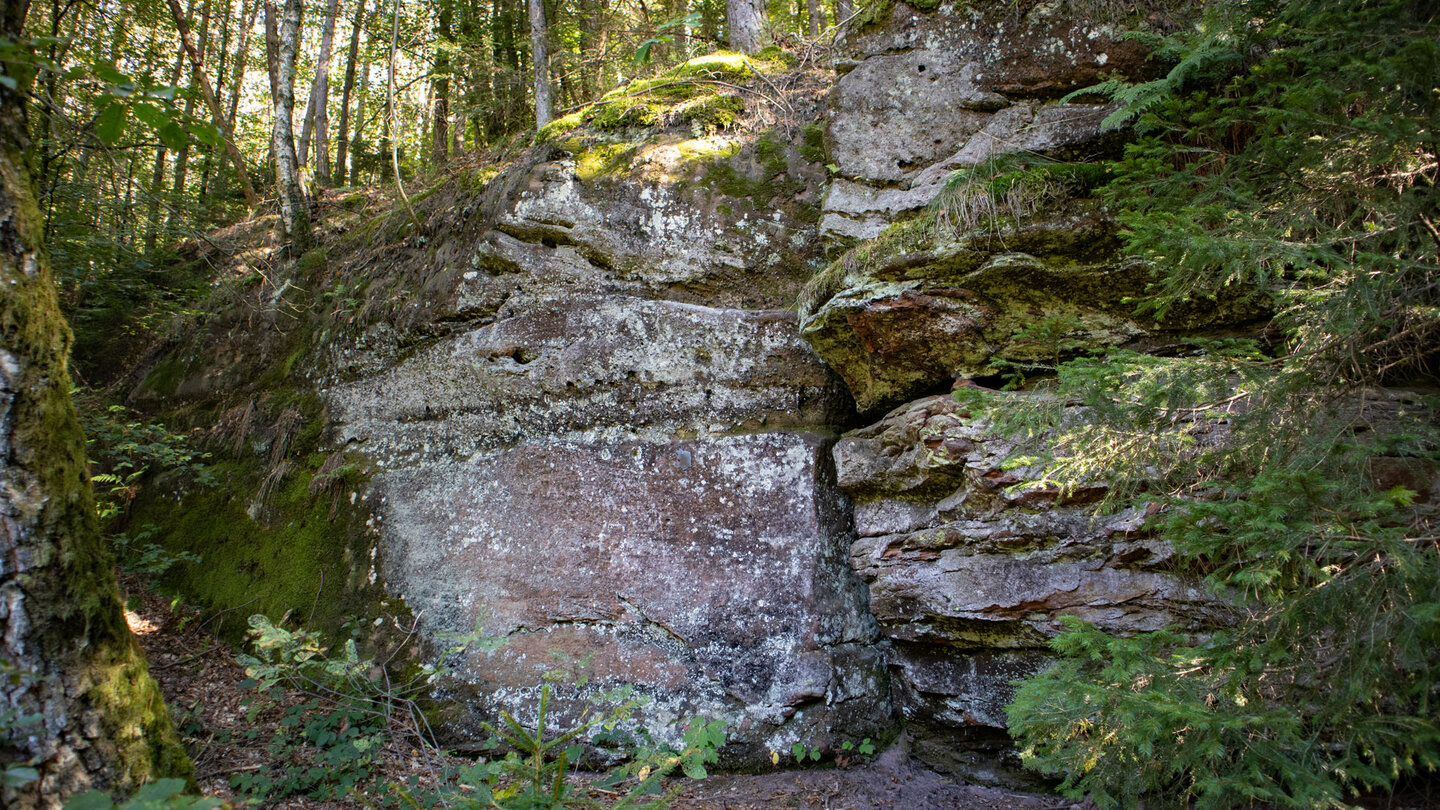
x=627, y=489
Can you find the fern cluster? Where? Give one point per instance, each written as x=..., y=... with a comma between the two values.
x=1293, y=151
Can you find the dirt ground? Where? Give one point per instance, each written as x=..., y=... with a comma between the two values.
x=227, y=731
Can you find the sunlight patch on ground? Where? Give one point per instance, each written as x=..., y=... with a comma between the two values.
x=139, y=625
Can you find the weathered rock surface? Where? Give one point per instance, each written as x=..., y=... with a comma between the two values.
x=932, y=92
x=898, y=325
x=633, y=489
x=595, y=429
x=969, y=576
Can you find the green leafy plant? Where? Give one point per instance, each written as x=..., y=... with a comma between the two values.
x=124, y=449
x=326, y=745
x=13, y=722
x=320, y=750
x=140, y=556
x=162, y=794
x=851, y=752
x=533, y=774
x=802, y=752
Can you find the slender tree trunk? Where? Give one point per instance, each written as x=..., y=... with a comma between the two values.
x=197, y=66
x=592, y=22
x=157, y=187
x=746, y=21
x=440, y=142
x=392, y=123
x=222, y=66
x=69, y=658
x=242, y=56
x=709, y=21
x=843, y=10
x=358, y=141
x=182, y=156
x=480, y=74
x=294, y=213
x=815, y=11
x=157, y=177
x=320, y=95
x=540, y=56
x=342, y=140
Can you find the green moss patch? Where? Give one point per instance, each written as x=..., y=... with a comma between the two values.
x=812, y=147
x=560, y=127
x=710, y=114
x=604, y=160
x=303, y=551
x=699, y=92
x=135, y=718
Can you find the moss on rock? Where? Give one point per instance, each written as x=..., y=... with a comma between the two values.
x=273, y=548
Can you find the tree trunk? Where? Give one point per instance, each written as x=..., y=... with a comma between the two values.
x=342, y=141
x=241, y=57
x=221, y=67
x=157, y=178
x=294, y=212
x=746, y=21
x=182, y=156
x=440, y=142
x=197, y=66
x=317, y=116
x=69, y=658
x=592, y=22
x=843, y=10
x=815, y=11
x=479, y=71
x=540, y=56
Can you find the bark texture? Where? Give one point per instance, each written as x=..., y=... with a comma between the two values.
x=294, y=211
x=66, y=654
x=318, y=114
x=540, y=53
x=342, y=145
x=746, y=21
x=440, y=138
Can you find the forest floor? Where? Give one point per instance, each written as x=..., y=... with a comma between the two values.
x=230, y=731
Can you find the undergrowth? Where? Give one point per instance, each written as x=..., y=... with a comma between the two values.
x=1290, y=150
x=326, y=746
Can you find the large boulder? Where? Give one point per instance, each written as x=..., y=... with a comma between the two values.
x=629, y=488
x=925, y=93
x=970, y=571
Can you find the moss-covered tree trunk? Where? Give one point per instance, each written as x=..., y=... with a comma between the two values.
x=72, y=660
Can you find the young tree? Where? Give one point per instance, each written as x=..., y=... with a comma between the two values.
x=815, y=12
x=197, y=64
x=316, y=113
x=283, y=44
x=540, y=55
x=343, y=141
x=747, y=24
x=440, y=142
x=68, y=658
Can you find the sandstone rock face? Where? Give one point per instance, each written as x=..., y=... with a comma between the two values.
x=631, y=489
x=898, y=326
x=597, y=431
x=933, y=92
x=968, y=576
